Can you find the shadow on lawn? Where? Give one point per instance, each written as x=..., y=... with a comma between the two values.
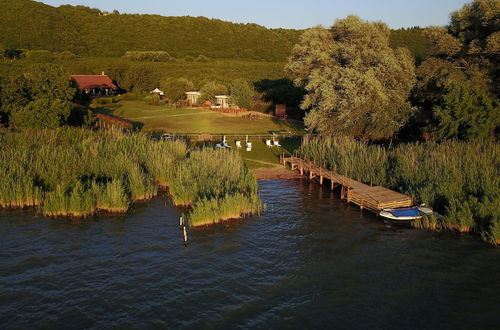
x=136, y=125
x=294, y=124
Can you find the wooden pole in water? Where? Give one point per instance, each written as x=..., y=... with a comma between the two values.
x=185, y=236
x=181, y=222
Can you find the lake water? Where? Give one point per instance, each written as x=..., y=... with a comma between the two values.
x=310, y=261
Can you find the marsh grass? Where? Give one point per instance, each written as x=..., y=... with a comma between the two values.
x=459, y=180
x=76, y=172
x=211, y=211
x=112, y=197
x=217, y=184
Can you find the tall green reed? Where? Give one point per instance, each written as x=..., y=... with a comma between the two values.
x=460, y=180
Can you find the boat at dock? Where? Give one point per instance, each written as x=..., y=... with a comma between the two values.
x=405, y=214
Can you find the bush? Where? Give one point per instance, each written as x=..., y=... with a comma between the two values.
x=147, y=56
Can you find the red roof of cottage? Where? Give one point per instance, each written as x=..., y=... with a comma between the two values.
x=93, y=81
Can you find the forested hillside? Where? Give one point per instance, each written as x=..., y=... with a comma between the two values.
x=414, y=39
x=28, y=24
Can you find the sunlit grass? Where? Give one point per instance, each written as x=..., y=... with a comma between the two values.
x=194, y=120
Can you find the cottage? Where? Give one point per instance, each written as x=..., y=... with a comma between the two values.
x=192, y=97
x=94, y=84
x=222, y=101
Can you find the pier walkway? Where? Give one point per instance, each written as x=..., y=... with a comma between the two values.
x=372, y=198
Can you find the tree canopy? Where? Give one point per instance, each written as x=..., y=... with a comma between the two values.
x=210, y=89
x=241, y=93
x=477, y=25
x=457, y=86
x=466, y=113
x=356, y=83
x=35, y=96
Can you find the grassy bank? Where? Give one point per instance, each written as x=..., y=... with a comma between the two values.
x=77, y=172
x=193, y=120
x=459, y=180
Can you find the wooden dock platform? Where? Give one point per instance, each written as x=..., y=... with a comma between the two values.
x=372, y=198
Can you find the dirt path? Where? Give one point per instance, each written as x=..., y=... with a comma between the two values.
x=274, y=165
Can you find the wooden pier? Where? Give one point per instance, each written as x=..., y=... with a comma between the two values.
x=372, y=198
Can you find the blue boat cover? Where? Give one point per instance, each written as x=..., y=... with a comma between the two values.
x=410, y=212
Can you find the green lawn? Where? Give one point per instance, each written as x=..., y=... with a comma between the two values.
x=194, y=120
x=261, y=155
x=201, y=120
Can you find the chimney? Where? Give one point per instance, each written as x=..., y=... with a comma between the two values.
x=102, y=73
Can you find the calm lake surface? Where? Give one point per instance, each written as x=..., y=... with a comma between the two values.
x=310, y=261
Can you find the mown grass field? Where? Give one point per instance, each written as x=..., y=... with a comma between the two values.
x=261, y=156
x=195, y=120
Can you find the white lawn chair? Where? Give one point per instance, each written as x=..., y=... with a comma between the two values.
x=268, y=143
x=238, y=144
x=249, y=146
x=276, y=143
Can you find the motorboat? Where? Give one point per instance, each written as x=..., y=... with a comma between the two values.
x=406, y=213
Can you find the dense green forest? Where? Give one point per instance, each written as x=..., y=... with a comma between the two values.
x=85, y=31
x=31, y=25
x=413, y=39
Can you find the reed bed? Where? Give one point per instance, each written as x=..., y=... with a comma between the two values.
x=217, y=184
x=76, y=172
x=210, y=211
x=459, y=180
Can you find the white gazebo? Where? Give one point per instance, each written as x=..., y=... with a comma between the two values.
x=222, y=100
x=192, y=97
x=157, y=91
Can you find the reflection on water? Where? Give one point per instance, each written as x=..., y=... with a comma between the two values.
x=309, y=261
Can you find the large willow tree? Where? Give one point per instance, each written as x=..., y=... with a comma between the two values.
x=356, y=84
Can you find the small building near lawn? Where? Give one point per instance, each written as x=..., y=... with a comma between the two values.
x=192, y=97
x=94, y=85
x=222, y=101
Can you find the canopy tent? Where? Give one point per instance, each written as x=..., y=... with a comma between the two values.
x=157, y=91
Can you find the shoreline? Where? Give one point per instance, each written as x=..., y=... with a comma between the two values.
x=275, y=174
